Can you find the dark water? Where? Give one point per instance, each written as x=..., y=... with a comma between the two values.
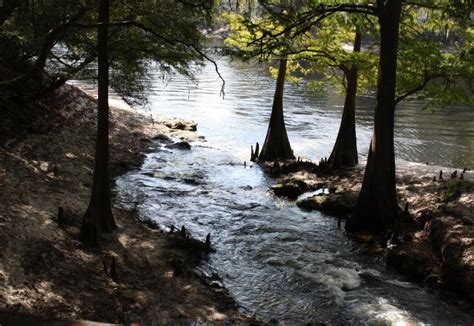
x=277, y=261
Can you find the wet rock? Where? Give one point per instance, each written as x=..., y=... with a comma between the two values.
x=181, y=145
x=162, y=138
x=335, y=204
x=290, y=188
x=182, y=125
x=411, y=260
x=192, y=182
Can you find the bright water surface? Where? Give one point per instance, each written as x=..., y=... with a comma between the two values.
x=276, y=260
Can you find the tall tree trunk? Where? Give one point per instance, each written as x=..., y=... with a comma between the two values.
x=98, y=217
x=377, y=206
x=277, y=145
x=344, y=153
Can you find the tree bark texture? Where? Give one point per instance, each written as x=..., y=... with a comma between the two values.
x=98, y=218
x=277, y=144
x=344, y=153
x=377, y=207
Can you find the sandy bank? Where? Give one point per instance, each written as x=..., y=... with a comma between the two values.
x=44, y=270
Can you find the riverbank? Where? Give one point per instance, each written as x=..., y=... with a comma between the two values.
x=435, y=243
x=46, y=163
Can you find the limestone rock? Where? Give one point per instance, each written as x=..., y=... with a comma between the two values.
x=290, y=188
x=181, y=145
x=335, y=204
x=182, y=125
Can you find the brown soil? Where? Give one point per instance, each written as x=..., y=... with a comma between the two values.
x=435, y=238
x=44, y=270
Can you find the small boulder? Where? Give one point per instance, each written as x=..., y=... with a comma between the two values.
x=182, y=125
x=290, y=188
x=163, y=138
x=335, y=204
x=181, y=145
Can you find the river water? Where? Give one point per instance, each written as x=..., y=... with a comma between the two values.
x=277, y=261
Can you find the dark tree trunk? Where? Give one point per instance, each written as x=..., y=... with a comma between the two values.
x=344, y=153
x=277, y=145
x=98, y=217
x=377, y=206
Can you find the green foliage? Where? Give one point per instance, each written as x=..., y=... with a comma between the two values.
x=436, y=54
x=322, y=49
x=167, y=32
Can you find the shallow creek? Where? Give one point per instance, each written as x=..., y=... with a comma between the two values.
x=277, y=261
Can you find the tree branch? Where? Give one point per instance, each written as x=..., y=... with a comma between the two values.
x=50, y=41
x=418, y=88
x=164, y=39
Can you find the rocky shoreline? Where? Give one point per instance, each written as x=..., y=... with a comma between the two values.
x=435, y=243
x=46, y=273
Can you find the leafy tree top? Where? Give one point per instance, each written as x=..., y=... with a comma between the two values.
x=315, y=36
x=59, y=37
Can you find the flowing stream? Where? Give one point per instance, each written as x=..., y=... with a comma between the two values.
x=277, y=261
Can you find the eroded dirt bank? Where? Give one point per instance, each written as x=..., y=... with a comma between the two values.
x=435, y=238
x=46, y=163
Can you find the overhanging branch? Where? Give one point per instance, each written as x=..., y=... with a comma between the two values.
x=165, y=39
x=50, y=41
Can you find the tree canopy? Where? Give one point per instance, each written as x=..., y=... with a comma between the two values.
x=435, y=55
x=58, y=38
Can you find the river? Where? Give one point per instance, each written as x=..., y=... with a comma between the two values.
x=277, y=261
